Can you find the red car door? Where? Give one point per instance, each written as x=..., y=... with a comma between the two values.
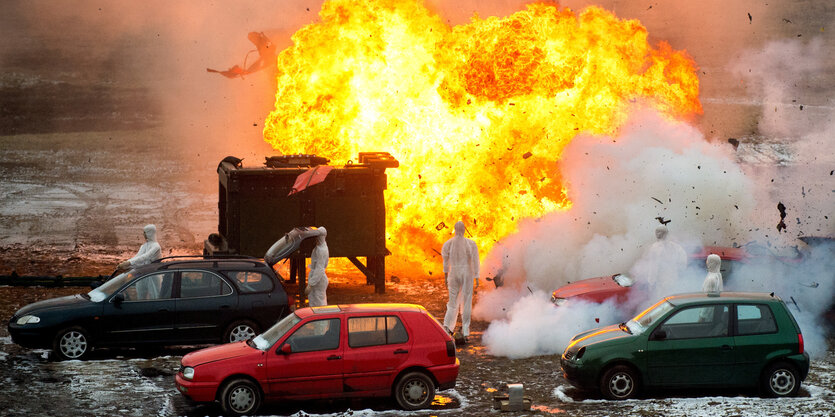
x=377, y=348
x=313, y=366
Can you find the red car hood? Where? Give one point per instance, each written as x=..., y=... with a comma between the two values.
x=218, y=353
x=587, y=286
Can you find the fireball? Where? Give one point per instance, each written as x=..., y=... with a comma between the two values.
x=477, y=114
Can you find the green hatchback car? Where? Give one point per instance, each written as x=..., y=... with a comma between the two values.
x=693, y=340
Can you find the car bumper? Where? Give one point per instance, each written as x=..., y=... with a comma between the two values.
x=578, y=375
x=31, y=338
x=196, y=391
x=446, y=374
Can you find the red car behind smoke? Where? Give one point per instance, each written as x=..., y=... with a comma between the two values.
x=618, y=286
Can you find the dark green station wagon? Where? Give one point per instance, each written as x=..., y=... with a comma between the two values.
x=693, y=340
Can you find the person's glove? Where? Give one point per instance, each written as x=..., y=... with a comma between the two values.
x=476, y=282
x=446, y=280
x=307, y=290
x=123, y=266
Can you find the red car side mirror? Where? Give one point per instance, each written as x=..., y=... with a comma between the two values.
x=286, y=349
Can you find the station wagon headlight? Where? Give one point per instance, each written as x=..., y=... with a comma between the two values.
x=188, y=373
x=28, y=319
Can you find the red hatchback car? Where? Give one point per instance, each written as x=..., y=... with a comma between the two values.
x=360, y=350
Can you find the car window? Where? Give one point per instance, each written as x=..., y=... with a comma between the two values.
x=249, y=281
x=697, y=322
x=315, y=335
x=151, y=287
x=202, y=284
x=754, y=319
x=373, y=331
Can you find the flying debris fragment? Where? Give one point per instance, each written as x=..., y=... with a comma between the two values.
x=662, y=221
x=782, y=225
x=267, y=54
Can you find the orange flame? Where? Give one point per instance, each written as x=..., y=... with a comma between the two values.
x=477, y=114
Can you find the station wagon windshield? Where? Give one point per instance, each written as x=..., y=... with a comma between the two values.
x=107, y=289
x=268, y=338
x=642, y=321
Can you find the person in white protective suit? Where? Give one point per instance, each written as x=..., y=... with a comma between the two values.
x=713, y=280
x=666, y=259
x=461, y=264
x=149, y=251
x=147, y=289
x=317, y=281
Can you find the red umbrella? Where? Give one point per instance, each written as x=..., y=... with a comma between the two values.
x=310, y=177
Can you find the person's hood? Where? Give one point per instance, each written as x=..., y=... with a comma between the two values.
x=150, y=232
x=323, y=233
x=459, y=228
x=661, y=232
x=714, y=263
x=52, y=303
x=219, y=353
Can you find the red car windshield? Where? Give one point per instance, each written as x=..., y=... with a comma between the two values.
x=265, y=340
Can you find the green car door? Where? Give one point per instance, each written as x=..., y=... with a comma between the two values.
x=693, y=346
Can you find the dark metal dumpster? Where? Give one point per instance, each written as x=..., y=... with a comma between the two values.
x=255, y=210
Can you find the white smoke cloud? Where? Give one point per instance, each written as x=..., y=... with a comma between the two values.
x=615, y=184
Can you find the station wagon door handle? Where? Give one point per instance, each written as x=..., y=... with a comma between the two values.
x=726, y=347
x=334, y=357
x=398, y=351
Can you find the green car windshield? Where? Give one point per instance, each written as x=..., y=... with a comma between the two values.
x=265, y=340
x=642, y=321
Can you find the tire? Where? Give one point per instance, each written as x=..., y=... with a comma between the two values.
x=620, y=382
x=240, y=330
x=780, y=380
x=414, y=391
x=240, y=397
x=71, y=343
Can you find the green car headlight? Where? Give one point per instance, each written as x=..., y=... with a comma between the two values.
x=28, y=319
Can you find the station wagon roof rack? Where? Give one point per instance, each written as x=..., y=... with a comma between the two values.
x=206, y=257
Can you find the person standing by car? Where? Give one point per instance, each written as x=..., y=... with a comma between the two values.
x=461, y=264
x=713, y=280
x=317, y=281
x=666, y=259
x=149, y=251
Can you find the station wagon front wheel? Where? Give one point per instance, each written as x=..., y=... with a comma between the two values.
x=619, y=383
x=780, y=380
x=240, y=397
x=71, y=343
x=239, y=331
x=414, y=391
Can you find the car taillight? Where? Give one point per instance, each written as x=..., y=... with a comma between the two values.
x=450, y=348
x=800, y=342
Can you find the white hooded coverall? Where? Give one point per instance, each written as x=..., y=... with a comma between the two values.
x=667, y=259
x=460, y=267
x=713, y=280
x=148, y=288
x=317, y=281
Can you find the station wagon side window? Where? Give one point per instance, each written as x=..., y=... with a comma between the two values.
x=315, y=335
x=202, y=284
x=250, y=281
x=151, y=287
x=754, y=319
x=697, y=322
x=374, y=331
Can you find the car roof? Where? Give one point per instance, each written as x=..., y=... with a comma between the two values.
x=359, y=308
x=700, y=297
x=185, y=262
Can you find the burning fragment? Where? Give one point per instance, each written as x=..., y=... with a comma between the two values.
x=267, y=54
x=662, y=221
